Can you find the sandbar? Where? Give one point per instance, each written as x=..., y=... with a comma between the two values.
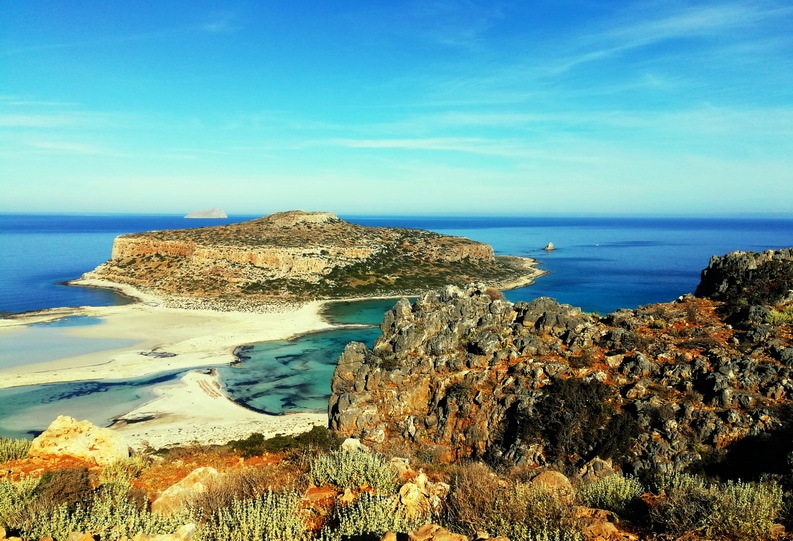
x=164, y=339
x=195, y=409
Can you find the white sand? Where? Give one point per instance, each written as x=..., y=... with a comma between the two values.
x=194, y=409
x=196, y=337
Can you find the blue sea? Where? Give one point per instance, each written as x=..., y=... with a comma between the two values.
x=600, y=264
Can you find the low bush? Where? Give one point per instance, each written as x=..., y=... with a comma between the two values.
x=734, y=509
x=370, y=514
x=12, y=449
x=613, y=493
x=108, y=512
x=318, y=439
x=481, y=501
x=268, y=516
x=67, y=486
x=353, y=469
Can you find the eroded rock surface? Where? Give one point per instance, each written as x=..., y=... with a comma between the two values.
x=67, y=436
x=464, y=373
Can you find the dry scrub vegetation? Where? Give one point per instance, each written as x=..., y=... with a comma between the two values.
x=311, y=489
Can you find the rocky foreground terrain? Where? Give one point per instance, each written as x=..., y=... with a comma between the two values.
x=704, y=382
x=297, y=256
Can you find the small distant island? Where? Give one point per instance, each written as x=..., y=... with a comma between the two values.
x=208, y=214
x=297, y=256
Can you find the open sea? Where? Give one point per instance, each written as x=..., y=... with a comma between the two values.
x=600, y=264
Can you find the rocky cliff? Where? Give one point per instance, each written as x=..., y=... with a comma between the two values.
x=464, y=373
x=295, y=256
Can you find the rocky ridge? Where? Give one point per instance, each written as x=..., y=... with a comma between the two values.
x=464, y=373
x=298, y=256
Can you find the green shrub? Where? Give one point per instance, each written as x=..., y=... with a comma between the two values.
x=268, y=516
x=613, y=493
x=351, y=469
x=318, y=438
x=575, y=420
x=28, y=509
x=371, y=514
x=11, y=449
x=15, y=498
x=249, y=447
x=67, y=486
x=733, y=509
x=781, y=317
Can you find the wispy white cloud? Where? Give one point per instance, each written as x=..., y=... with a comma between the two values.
x=648, y=29
x=221, y=23
x=69, y=147
x=34, y=121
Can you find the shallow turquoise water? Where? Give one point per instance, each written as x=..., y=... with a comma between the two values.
x=287, y=376
x=27, y=411
x=51, y=341
x=369, y=312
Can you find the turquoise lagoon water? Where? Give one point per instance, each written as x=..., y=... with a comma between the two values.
x=272, y=377
x=51, y=341
x=600, y=264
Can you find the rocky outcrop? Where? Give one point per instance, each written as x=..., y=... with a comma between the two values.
x=298, y=255
x=79, y=439
x=178, y=495
x=464, y=373
x=756, y=278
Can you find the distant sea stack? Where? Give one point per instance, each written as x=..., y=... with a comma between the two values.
x=210, y=213
x=298, y=256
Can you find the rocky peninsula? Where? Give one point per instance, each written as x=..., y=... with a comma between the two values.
x=296, y=256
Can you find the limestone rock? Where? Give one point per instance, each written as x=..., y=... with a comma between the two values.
x=180, y=493
x=79, y=439
x=467, y=374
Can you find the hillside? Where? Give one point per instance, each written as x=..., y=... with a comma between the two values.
x=298, y=256
x=694, y=383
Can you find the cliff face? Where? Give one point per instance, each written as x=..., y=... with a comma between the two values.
x=294, y=256
x=464, y=373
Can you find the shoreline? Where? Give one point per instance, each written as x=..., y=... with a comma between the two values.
x=196, y=408
x=170, y=418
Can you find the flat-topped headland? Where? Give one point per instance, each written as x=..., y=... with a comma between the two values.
x=296, y=256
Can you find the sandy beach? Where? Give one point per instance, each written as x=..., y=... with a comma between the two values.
x=195, y=409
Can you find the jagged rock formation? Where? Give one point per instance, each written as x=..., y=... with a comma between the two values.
x=764, y=278
x=206, y=214
x=294, y=256
x=464, y=373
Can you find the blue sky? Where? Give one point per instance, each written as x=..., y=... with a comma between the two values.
x=577, y=107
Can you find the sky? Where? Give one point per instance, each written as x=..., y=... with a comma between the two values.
x=571, y=107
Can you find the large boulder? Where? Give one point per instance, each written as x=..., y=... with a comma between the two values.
x=177, y=495
x=67, y=436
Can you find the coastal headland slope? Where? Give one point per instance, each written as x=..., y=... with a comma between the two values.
x=702, y=382
x=297, y=256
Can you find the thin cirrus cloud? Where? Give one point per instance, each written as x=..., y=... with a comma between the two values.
x=700, y=21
